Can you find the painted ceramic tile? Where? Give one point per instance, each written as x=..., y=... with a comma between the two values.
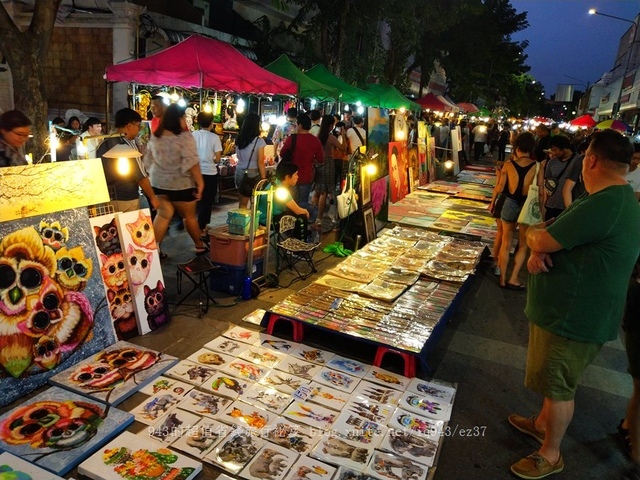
x=59, y=429
x=172, y=426
x=203, y=403
x=59, y=316
x=444, y=392
x=152, y=408
x=414, y=447
x=245, y=370
x=223, y=384
x=377, y=393
x=338, y=380
x=207, y=358
x=270, y=463
x=311, y=414
x=243, y=335
x=164, y=384
x=144, y=273
x=417, y=424
x=191, y=372
x=323, y=395
x=275, y=343
x=128, y=454
x=15, y=468
x=386, y=378
x=115, y=373
x=314, y=355
x=300, y=368
x=358, y=429
x=265, y=357
x=344, y=473
x=307, y=468
x=226, y=345
x=247, y=416
x=363, y=407
x=267, y=397
x=291, y=435
x=426, y=405
x=255, y=317
x=283, y=382
x=392, y=467
x=235, y=451
x=342, y=452
x=200, y=439
x=347, y=365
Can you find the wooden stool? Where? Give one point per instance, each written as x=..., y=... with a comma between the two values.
x=409, y=360
x=298, y=328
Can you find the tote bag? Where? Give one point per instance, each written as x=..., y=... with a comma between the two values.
x=347, y=201
x=530, y=213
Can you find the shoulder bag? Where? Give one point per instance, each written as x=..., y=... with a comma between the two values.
x=347, y=201
x=248, y=183
x=530, y=213
x=362, y=142
x=551, y=183
x=288, y=155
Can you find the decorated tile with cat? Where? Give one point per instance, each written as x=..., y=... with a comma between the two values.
x=247, y=416
x=152, y=408
x=445, y=393
x=291, y=435
x=313, y=355
x=129, y=453
x=300, y=368
x=234, y=451
x=267, y=397
x=363, y=407
x=171, y=426
x=283, y=382
x=164, y=384
x=265, y=357
x=416, y=424
x=378, y=393
x=338, y=380
x=211, y=359
x=311, y=414
x=323, y=395
x=114, y=373
x=272, y=462
x=240, y=368
x=387, y=379
x=358, y=429
x=226, y=385
x=339, y=451
x=391, y=467
x=190, y=372
x=204, y=403
x=348, y=365
x=426, y=405
x=243, y=335
x=227, y=346
x=276, y=343
x=15, y=468
x=307, y=468
x=201, y=438
x=414, y=447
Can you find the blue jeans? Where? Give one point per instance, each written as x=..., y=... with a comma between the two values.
x=300, y=194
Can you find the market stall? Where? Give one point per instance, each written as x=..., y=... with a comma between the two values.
x=350, y=94
x=308, y=87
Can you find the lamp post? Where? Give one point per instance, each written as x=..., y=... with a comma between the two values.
x=616, y=106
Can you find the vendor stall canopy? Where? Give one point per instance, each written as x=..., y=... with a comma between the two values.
x=350, y=94
x=308, y=87
x=389, y=96
x=432, y=102
x=202, y=63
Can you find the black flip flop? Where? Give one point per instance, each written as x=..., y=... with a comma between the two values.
x=511, y=286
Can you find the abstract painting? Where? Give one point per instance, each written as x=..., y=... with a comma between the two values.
x=15, y=468
x=378, y=137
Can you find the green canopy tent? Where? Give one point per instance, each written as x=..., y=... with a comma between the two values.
x=308, y=87
x=350, y=94
x=390, y=97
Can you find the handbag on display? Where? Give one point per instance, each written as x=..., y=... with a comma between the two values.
x=530, y=213
x=347, y=201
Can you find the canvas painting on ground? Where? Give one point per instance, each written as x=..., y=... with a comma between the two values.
x=338, y=380
x=283, y=382
x=247, y=416
x=267, y=397
x=53, y=309
x=15, y=468
x=149, y=460
x=378, y=393
x=162, y=384
x=57, y=429
x=190, y=372
x=211, y=359
x=171, y=426
x=426, y=405
x=115, y=373
x=387, y=379
x=348, y=365
x=265, y=357
x=323, y=395
x=311, y=414
x=300, y=368
x=358, y=429
x=226, y=385
x=435, y=389
x=313, y=355
x=364, y=408
x=243, y=335
x=226, y=345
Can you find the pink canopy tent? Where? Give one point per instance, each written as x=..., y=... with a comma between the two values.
x=200, y=62
x=468, y=107
x=585, y=120
x=431, y=102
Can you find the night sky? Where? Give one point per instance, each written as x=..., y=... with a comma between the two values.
x=565, y=40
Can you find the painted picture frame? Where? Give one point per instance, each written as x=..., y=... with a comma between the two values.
x=369, y=223
x=365, y=186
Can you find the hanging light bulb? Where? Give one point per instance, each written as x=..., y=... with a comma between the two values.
x=360, y=110
x=371, y=168
x=240, y=105
x=123, y=166
x=265, y=126
x=182, y=103
x=346, y=108
x=402, y=110
x=174, y=96
x=448, y=164
x=207, y=108
x=313, y=103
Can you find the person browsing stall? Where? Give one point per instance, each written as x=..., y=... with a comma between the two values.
x=15, y=128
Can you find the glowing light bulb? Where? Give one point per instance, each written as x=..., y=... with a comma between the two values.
x=282, y=193
x=402, y=110
x=240, y=106
x=182, y=103
x=174, y=96
x=400, y=135
x=346, y=108
x=265, y=126
x=360, y=110
x=448, y=164
x=371, y=169
x=208, y=108
x=313, y=102
x=123, y=166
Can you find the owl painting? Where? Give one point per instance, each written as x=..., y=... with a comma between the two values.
x=141, y=232
x=54, y=235
x=73, y=268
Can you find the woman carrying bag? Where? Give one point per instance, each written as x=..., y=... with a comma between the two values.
x=250, y=153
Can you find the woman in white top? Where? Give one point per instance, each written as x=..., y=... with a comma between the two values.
x=210, y=152
x=173, y=165
x=91, y=127
x=250, y=153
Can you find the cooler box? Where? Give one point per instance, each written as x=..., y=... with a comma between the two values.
x=239, y=221
x=227, y=278
x=233, y=249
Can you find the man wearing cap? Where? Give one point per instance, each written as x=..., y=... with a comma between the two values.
x=580, y=265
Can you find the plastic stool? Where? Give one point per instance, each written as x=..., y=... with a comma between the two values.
x=409, y=360
x=298, y=328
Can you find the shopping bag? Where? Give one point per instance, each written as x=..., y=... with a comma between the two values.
x=530, y=213
x=347, y=201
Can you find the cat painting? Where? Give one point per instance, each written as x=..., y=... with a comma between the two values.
x=113, y=272
x=156, y=306
x=139, y=266
x=121, y=309
x=107, y=238
x=142, y=232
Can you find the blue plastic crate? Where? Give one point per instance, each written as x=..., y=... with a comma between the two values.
x=229, y=278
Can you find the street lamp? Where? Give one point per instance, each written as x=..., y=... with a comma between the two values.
x=593, y=11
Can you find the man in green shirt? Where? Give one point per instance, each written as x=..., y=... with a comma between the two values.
x=580, y=265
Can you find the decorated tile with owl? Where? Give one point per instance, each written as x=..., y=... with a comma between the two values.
x=52, y=300
x=201, y=438
x=246, y=370
x=283, y=382
x=388, y=379
x=209, y=358
x=163, y=384
x=426, y=405
x=377, y=393
x=414, y=447
x=227, y=346
x=348, y=365
x=307, y=468
x=247, y=416
x=300, y=368
x=204, y=403
x=191, y=372
x=338, y=380
x=358, y=429
x=291, y=435
x=115, y=373
x=262, y=356
x=227, y=385
x=151, y=409
x=267, y=397
x=444, y=392
x=338, y=451
x=323, y=395
x=311, y=414
x=243, y=335
x=144, y=273
x=234, y=451
x=15, y=468
x=313, y=355
x=272, y=462
x=276, y=343
x=392, y=467
x=416, y=424
x=171, y=426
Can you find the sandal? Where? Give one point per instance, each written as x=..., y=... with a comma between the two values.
x=513, y=286
x=202, y=250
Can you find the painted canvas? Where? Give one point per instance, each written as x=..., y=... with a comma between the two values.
x=267, y=397
x=369, y=410
x=115, y=373
x=291, y=364
x=348, y=365
x=227, y=385
x=307, y=468
x=380, y=201
x=414, y=168
x=378, y=137
x=338, y=380
x=235, y=451
x=272, y=462
x=170, y=426
x=57, y=429
x=345, y=473
x=129, y=457
x=358, y=429
x=416, y=424
x=420, y=449
x=245, y=370
x=386, y=378
x=111, y=267
x=53, y=311
x=391, y=467
x=398, y=171
x=262, y=356
x=378, y=393
x=15, y=468
x=422, y=159
x=143, y=270
x=444, y=392
x=323, y=395
x=211, y=359
x=247, y=416
x=243, y=335
x=283, y=382
x=426, y=405
x=313, y=355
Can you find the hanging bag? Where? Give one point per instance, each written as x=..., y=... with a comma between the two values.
x=248, y=183
x=551, y=183
x=288, y=155
x=347, y=201
x=530, y=213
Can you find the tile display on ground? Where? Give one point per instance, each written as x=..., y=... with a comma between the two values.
x=15, y=468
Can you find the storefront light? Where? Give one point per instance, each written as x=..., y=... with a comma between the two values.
x=313, y=103
x=265, y=126
x=346, y=108
x=174, y=96
x=371, y=169
x=402, y=110
x=448, y=164
x=240, y=105
x=360, y=110
x=208, y=108
x=182, y=103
